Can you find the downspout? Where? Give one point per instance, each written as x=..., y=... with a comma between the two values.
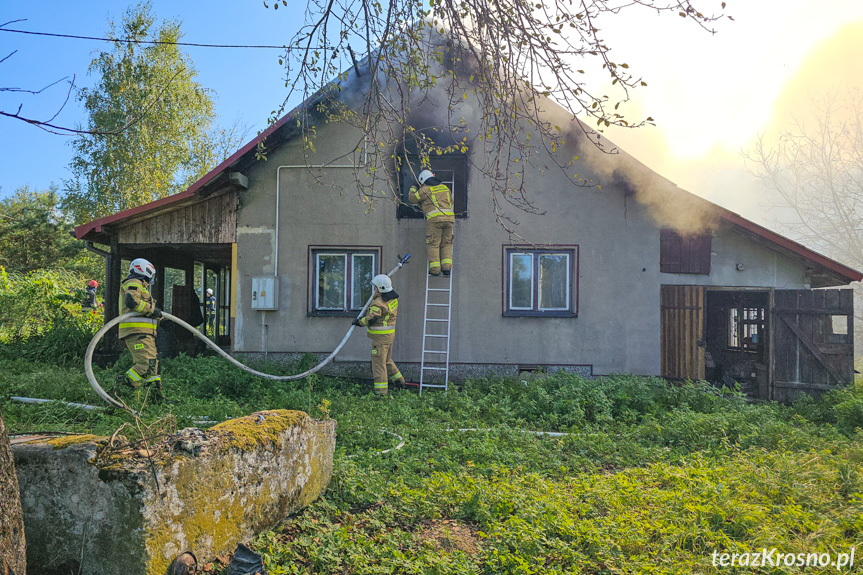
x=91, y=248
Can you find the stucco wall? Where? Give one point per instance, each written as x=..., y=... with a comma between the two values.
x=618, y=325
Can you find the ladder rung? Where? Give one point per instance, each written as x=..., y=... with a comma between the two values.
x=438, y=304
x=438, y=289
x=434, y=351
x=430, y=385
x=432, y=319
x=435, y=368
x=432, y=335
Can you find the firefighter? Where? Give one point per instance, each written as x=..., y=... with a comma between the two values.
x=211, y=309
x=435, y=200
x=90, y=290
x=380, y=323
x=139, y=333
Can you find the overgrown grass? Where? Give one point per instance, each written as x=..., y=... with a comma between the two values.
x=651, y=478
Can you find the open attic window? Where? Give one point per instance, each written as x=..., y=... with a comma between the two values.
x=451, y=170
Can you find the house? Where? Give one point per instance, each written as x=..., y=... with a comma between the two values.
x=633, y=275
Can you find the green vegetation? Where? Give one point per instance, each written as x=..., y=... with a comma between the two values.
x=149, y=131
x=41, y=318
x=652, y=478
x=34, y=235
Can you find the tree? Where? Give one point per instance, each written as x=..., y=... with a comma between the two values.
x=34, y=234
x=814, y=173
x=499, y=61
x=149, y=128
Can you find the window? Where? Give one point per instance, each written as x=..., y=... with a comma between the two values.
x=540, y=283
x=450, y=170
x=341, y=280
x=746, y=326
x=684, y=254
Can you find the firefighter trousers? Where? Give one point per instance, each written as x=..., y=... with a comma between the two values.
x=145, y=361
x=384, y=368
x=439, y=244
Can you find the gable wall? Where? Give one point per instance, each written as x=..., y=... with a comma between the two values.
x=619, y=279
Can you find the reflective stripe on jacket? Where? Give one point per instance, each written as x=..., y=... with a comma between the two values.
x=139, y=290
x=384, y=312
x=434, y=201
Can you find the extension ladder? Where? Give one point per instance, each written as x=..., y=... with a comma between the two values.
x=436, y=321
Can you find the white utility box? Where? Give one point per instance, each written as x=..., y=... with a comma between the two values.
x=265, y=292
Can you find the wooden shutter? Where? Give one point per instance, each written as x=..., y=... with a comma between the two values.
x=682, y=332
x=809, y=357
x=684, y=254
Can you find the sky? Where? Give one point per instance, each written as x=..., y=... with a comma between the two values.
x=711, y=95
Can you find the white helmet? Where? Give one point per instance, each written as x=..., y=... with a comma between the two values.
x=383, y=283
x=423, y=176
x=142, y=267
x=209, y=291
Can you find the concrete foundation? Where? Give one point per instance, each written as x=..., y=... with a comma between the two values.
x=94, y=509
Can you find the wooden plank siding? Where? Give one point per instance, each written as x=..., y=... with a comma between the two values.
x=210, y=221
x=682, y=331
x=809, y=357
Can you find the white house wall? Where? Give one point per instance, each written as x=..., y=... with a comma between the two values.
x=618, y=324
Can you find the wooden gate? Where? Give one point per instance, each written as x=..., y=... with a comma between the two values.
x=814, y=341
x=682, y=326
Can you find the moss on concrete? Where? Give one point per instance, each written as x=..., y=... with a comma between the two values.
x=69, y=440
x=261, y=429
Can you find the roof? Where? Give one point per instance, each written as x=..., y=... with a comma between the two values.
x=836, y=273
x=93, y=230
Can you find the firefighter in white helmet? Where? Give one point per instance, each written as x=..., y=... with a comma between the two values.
x=380, y=323
x=139, y=333
x=435, y=200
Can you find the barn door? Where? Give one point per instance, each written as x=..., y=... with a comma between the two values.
x=814, y=341
x=682, y=335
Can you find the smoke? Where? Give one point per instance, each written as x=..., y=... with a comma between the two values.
x=609, y=168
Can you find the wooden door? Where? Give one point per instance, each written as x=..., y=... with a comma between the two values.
x=813, y=341
x=682, y=331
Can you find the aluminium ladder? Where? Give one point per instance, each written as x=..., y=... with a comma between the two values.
x=436, y=332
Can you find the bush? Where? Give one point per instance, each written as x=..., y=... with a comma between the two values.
x=32, y=304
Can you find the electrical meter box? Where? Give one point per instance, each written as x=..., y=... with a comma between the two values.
x=265, y=292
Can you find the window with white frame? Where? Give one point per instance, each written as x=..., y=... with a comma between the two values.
x=541, y=283
x=341, y=279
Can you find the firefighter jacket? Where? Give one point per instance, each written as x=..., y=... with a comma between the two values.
x=435, y=202
x=135, y=297
x=380, y=321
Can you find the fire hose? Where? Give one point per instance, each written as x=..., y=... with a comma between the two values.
x=88, y=357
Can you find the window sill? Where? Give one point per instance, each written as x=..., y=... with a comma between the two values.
x=553, y=314
x=333, y=313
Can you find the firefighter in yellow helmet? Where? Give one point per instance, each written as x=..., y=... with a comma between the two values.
x=139, y=333
x=435, y=200
x=380, y=323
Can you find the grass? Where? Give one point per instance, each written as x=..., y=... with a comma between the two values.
x=652, y=478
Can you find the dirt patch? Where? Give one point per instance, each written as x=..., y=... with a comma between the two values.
x=450, y=535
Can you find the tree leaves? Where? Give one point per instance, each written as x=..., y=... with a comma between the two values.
x=166, y=146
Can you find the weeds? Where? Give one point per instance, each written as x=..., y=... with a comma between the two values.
x=650, y=478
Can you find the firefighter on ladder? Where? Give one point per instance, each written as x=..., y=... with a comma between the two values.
x=139, y=333
x=380, y=323
x=435, y=200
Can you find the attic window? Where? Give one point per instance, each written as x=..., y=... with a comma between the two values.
x=684, y=254
x=450, y=170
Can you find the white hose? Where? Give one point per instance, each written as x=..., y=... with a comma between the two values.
x=88, y=357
